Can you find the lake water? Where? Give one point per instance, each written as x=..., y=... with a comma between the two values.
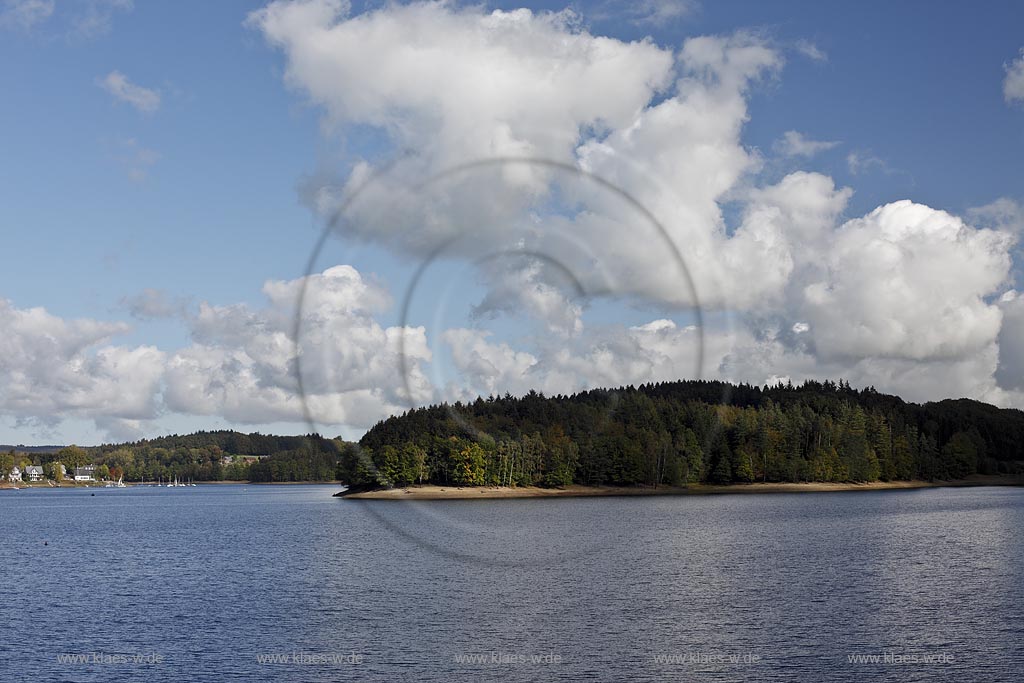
x=210, y=583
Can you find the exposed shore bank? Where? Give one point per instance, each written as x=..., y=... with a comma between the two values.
x=432, y=492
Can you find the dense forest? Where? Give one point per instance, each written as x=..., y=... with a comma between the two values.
x=683, y=432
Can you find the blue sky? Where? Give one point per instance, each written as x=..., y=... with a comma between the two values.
x=201, y=198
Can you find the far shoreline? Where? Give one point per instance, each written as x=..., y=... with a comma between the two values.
x=436, y=492
x=21, y=486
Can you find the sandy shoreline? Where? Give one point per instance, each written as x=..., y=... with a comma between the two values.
x=431, y=492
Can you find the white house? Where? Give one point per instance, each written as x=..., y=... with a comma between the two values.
x=15, y=474
x=34, y=472
x=86, y=473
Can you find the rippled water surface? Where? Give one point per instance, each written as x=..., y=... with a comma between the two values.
x=790, y=587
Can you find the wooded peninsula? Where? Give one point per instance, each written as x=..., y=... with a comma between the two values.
x=690, y=432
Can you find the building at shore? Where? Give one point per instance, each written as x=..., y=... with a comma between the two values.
x=86, y=473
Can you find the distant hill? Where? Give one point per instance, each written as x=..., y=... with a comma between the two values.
x=226, y=440
x=21, y=448
x=224, y=454
x=205, y=456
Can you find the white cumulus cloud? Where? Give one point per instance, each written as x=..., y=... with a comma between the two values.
x=243, y=365
x=908, y=281
x=51, y=368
